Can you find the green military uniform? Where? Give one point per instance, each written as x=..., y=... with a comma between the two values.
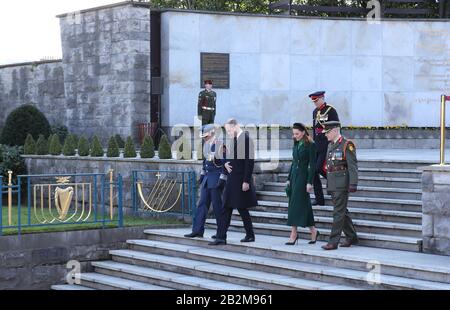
x=342, y=177
x=207, y=106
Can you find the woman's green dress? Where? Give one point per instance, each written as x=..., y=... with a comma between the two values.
x=300, y=212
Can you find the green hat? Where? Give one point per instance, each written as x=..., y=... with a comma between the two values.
x=327, y=126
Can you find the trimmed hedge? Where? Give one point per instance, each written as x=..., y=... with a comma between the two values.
x=130, y=150
x=42, y=147
x=83, y=147
x=147, y=148
x=113, y=148
x=30, y=146
x=55, y=145
x=164, y=151
x=24, y=120
x=69, y=146
x=96, y=148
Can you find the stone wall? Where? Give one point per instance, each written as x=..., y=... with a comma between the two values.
x=38, y=261
x=391, y=73
x=106, y=57
x=40, y=84
x=102, y=84
x=436, y=209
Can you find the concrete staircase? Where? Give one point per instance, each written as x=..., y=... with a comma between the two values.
x=167, y=260
x=386, y=210
x=387, y=214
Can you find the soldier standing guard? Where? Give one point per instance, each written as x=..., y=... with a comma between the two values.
x=212, y=181
x=322, y=113
x=342, y=179
x=206, y=110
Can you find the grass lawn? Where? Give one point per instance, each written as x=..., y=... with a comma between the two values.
x=39, y=216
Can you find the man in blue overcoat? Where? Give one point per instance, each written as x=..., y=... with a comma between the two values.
x=212, y=181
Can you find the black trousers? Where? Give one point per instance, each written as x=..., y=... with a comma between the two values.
x=225, y=220
x=318, y=190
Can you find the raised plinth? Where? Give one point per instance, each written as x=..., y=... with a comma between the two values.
x=436, y=209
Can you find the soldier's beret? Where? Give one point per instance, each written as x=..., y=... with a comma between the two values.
x=208, y=82
x=206, y=130
x=316, y=95
x=327, y=126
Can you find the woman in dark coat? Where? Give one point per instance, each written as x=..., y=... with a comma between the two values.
x=299, y=184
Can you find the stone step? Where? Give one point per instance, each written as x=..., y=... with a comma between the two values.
x=363, y=191
x=395, y=164
x=401, y=263
x=163, y=278
x=355, y=201
x=396, y=216
x=376, y=172
x=304, y=270
x=220, y=272
x=365, y=239
x=388, y=182
x=390, y=172
x=68, y=287
x=106, y=282
x=363, y=226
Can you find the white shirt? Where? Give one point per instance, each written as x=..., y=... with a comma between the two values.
x=239, y=133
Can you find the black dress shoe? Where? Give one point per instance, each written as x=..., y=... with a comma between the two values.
x=218, y=242
x=348, y=243
x=248, y=239
x=330, y=246
x=315, y=239
x=194, y=235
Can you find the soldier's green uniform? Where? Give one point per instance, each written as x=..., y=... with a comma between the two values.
x=342, y=177
x=207, y=106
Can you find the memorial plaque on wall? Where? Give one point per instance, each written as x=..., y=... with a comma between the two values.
x=216, y=67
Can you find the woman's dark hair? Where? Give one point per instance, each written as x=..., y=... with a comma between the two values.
x=301, y=127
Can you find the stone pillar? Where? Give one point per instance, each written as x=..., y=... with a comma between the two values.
x=436, y=209
x=106, y=58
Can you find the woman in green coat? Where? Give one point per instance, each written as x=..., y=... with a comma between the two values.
x=299, y=184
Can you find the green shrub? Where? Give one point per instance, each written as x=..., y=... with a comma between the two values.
x=83, y=147
x=164, y=151
x=120, y=141
x=75, y=139
x=42, y=146
x=55, y=145
x=61, y=131
x=96, y=148
x=22, y=121
x=130, y=150
x=113, y=148
x=30, y=146
x=10, y=159
x=148, y=148
x=69, y=146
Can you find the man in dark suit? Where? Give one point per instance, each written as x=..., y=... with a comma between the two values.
x=212, y=181
x=321, y=114
x=239, y=190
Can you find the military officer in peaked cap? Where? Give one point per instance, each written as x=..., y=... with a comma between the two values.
x=212, y=180
x=342, y=179
x=322, y=113
x=206, y=109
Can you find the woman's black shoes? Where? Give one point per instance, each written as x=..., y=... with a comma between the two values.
x=315, y=239
x=292, y=242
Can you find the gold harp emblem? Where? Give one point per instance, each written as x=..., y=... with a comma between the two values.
x=63, y=198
